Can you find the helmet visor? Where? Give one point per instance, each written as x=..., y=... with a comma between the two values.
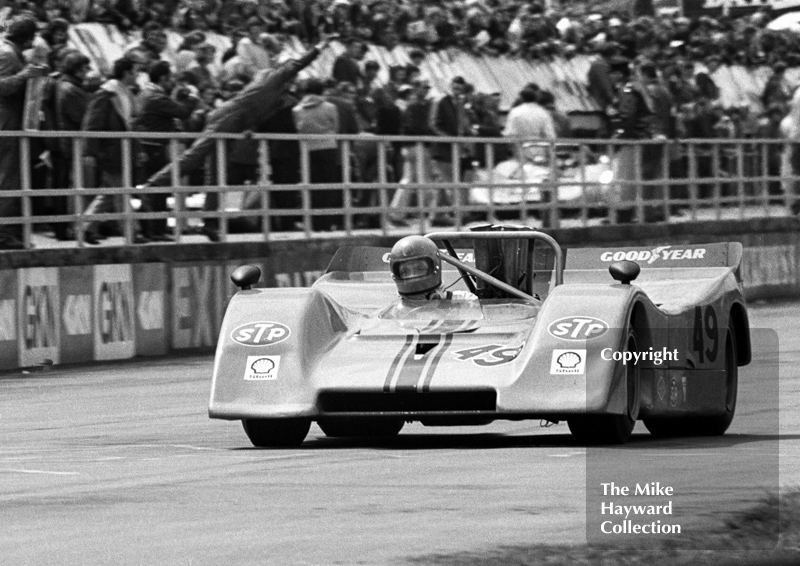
x=413, y=268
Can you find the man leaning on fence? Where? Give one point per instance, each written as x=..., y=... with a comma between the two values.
x=245, y=112
x=14, y=75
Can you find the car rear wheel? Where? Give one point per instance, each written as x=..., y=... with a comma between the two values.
x=715, y=425
x=373, y=428
x=276, y=433
x=612, y=429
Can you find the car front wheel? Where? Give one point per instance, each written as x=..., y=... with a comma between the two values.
x=276, y=433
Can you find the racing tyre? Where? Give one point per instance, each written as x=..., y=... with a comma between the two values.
x=372, y=428
x=715, y=425
x=276, y=433
x=612, y=429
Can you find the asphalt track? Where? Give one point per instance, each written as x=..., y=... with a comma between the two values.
x=119, y=464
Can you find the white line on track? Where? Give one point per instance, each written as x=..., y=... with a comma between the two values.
x=39, y=472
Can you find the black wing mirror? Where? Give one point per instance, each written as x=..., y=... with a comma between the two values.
x=624, y=271
x=246, y=276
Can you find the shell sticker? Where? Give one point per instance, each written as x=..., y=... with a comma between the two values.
x=568, y=362
x=262, y=368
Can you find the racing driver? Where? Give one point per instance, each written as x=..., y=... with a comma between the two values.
x=417, y=269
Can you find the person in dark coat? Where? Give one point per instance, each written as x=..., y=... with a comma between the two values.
x=110, y=110
x=346, y=67
x=245, y=112
x=71, y=100
x=158, y=113
x=14, y=75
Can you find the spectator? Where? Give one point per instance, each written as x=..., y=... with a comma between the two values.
x=417, y=165
x=55, y=34
x=14, y=75
x=159, y=113
x=560, y=121
x=529, y=121
x=110, y=110
x=149, y=50
x=449, y=118
x=314, y=115
x=257, y=49
x=346, y=66
x=201, y=68
x=777, y=90
x=601, y=86
x=246, y=111
x=770, y=129
x=71, y=100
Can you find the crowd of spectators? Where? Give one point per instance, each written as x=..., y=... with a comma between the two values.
x=145, y=92
x=516, y=27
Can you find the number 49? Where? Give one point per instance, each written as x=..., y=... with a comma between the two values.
x=706, y=329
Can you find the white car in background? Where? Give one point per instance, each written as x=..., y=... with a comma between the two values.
x=583, y=177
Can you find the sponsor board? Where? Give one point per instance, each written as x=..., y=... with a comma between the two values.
x=577, y=328
x=39, y=315
x=198, y=304
x=114, y=327
x=262, y=368
x=149, y=287
x=261, y=333
x=568, y=362
x=77, y=338
x=657, y=254
x=9, y=348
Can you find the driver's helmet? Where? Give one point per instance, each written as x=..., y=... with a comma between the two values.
x=416, y=265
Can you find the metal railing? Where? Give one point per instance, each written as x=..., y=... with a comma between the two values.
x=398, y=184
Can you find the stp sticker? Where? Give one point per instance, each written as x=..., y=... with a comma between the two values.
x=577, y=328
x=568, y=362
x=262, y=368
x=260, y=333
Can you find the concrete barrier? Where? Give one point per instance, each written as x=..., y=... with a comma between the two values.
x=81, y=305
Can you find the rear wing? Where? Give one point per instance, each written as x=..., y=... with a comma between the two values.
x=727, y=254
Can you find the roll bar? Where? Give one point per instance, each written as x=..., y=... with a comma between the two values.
x=500, y=235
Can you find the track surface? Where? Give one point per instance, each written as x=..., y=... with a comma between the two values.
x=119, y=464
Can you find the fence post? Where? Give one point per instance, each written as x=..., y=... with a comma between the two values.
x=490, y=214
x=637, y=176
x=693, y=189
x=25, y=181
x=554, y=220
x=347, y=199
x=305, y=178
x=382, y=180
x=127, y=161
x=222, y=181
x=740, y=168
x=180, y=197
x=78, y=182
x=456, y=180
x=717, y=173
x=264, y=186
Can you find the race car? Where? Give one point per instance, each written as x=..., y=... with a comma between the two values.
x=584, y=178
x=465, y=328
